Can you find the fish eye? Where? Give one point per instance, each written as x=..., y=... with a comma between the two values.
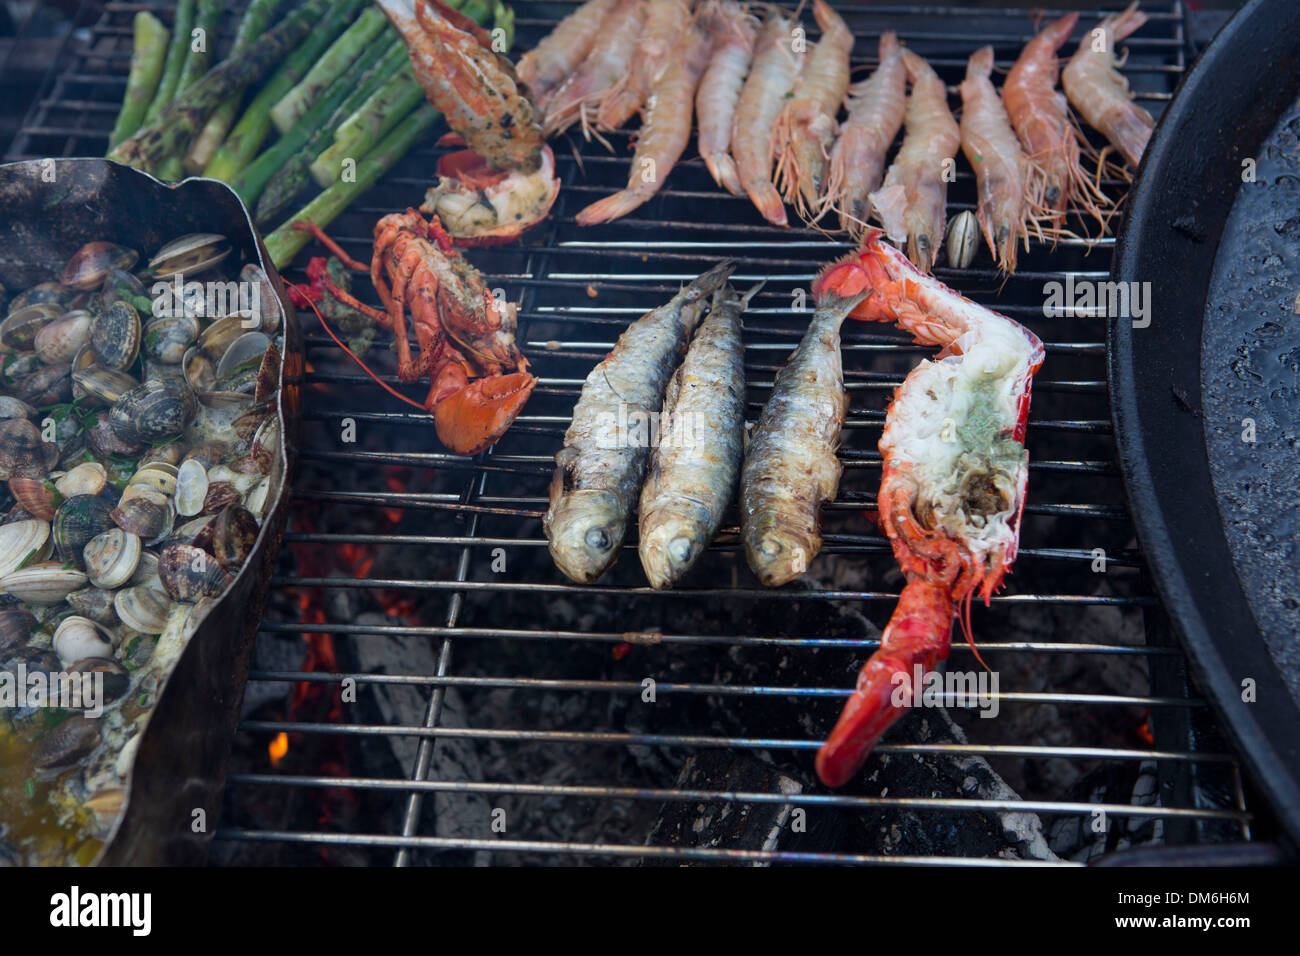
x=680, y=549
x=598, y=538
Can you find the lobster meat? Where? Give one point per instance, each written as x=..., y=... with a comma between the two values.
x=953, y=486
x=479, y=378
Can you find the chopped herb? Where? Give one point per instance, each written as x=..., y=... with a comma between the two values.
x=30, y=786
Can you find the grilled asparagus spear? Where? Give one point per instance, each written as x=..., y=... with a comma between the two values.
x=148, y=54
x=177, y=51
x=336, y=61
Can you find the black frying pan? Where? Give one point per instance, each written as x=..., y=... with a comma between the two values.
x=1217, y=515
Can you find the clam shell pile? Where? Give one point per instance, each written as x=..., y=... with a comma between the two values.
x=139, y=452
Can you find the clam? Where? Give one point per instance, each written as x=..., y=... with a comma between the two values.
x=146, y=572
x=14, y=408
x=22, y=541
x=257, y=497
x=104, y=440
x=197, y=532
x=167, y=339
x=244, y=353
x=48, y=385
x=143, y=609
x=963, y=240
x=88, y=478
x=268, y=375
x=20, y=329
x=114, y=679
x=220, y=494
x=43, y=584
x=157, y=475
x=19, y=365
x=266, y=443
x=90, y=265
x=219, y=336
x=189, y=573
x=67, y=743
x=233, y=535
x=33, y=658
x=16, y=629
x=271, y=311
x=121, y=286
x=115, y=335
x=146, y=514
x=189, y=255
x=35, y=495
x=22, y=452
x=44, y=292
x=154, y=412
x=63, y=338
x=79, y=519
x=169, y=453
x=111, y=558
x=209, y=454
x=79, y=637
x=104, y=385
x=191, y=487
x=94, y=603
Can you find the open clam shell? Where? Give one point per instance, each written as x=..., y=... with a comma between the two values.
x=44, y=584
x=189, y=255
x=91, y=264
x=23, y=542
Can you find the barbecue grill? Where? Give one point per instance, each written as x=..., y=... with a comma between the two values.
x=460, y=701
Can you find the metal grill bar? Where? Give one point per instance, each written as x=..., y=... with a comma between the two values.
x=577, y=289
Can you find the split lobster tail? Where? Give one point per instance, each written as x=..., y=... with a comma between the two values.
x=919, y=633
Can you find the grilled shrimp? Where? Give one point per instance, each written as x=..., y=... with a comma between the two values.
x=1041, y=118
x=1000, y=166
x=791, y=468
x=694, y=467
x=607, y=447
x=664, y=134
x=952, y=490
x=655, y=49
x=734, y=33
x=1100, y=92
x=806, y=127
x=876, y=107
x=578, y=98
x=559, y=54
x=776, y=64
x=912, y=204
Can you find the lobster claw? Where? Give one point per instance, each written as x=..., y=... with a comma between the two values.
x=470, y=417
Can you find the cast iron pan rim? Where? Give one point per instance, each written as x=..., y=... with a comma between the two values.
x=1177, y=178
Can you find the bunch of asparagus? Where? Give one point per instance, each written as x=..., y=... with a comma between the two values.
x=335, y=84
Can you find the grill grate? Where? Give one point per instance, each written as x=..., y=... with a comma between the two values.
x=526, y=671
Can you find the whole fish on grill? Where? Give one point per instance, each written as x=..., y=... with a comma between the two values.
x=599, y=470
x=695, y=464
x=790, y=465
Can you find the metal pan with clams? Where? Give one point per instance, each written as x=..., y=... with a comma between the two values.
x=137, y=521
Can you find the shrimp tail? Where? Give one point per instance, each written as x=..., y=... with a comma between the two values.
x=612, y=207
x=723, y=170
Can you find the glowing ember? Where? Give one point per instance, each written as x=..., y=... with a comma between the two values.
x=278, y=748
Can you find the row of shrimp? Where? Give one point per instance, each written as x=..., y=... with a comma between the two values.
x=767, y=103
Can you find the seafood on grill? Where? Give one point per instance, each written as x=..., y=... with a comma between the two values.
x=505, y=182
x=734, y=33
x=599, y=470
x=696, y=462
x=912, y=202
x=791, y=468
x=664, y=133
x=466, y=336
x=658, y=46
x=140, y=451
x=1100, y=92
x=1001, y=169
x=778, y=61
x=805, y=128
x=606, y=65
x=876, y=108
x=953, y=486
x=543, y=68
x=1041, y=117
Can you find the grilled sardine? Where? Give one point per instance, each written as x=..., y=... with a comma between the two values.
x=599, y=470
x=790, y=465
x=694, y=466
